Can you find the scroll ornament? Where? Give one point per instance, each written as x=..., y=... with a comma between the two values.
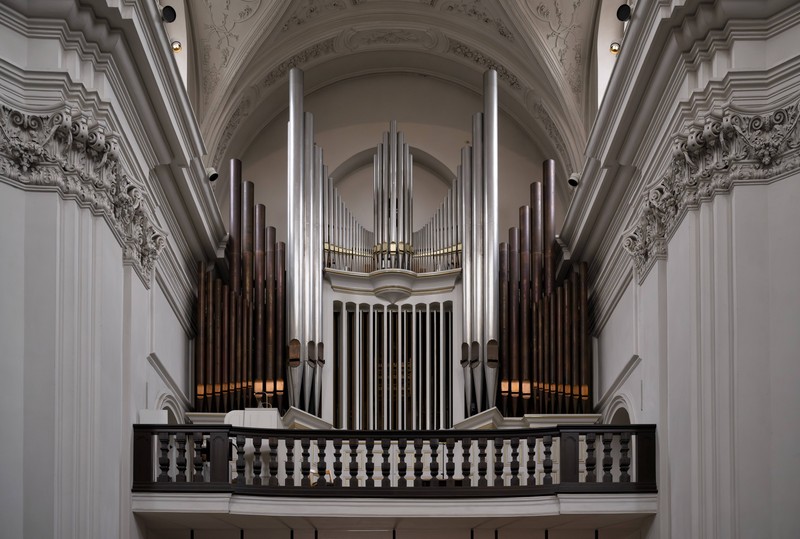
x=737, y=148
x=66, y=153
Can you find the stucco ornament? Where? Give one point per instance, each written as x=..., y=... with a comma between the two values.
x=78, y=158
x=706, y=161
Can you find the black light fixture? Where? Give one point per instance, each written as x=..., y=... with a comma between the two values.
x=168, y=14
x=624, y=12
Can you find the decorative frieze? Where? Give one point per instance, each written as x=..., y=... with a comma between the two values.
x=737, y=148
x=79, y=158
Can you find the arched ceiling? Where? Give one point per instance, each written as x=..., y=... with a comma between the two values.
x=540, y=48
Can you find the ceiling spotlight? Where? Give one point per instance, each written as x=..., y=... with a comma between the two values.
x=574, y=179
x=168, y=14
x=624, y=12
x=614, y=48
x=176, y=46
x=212, y=174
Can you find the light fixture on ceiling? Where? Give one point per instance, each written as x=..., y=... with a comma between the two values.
x=574, y=179
x=624, y=12
x=177, y=46
x=212, y=174
x=168, y=14
x=615, y=47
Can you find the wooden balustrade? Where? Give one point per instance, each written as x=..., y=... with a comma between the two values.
x=514, y=462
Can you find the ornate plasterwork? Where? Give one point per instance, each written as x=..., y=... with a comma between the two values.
x=475, y=10
x=465, y=51
x=707, y=161
x=223, y=26
x=275, y=74
x=311, y=9
x=563, y=24
x=78, y=158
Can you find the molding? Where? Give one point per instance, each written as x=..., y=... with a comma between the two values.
x=162, y=372
x=737, y=148
x=77, y=157
x=520, y=507
x=622, y=377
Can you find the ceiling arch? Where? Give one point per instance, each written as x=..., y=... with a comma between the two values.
x=248, y=46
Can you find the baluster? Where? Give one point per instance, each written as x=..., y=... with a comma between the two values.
x=591, y=459
x=624, y=459
x=401, y=462
x=257, y=460
x=197, y=437
x=548, y=462
x=434, y=444
x=449, y=465
x=482, y=482
x=514, y=462
x=466, y=445
x=353, y=444
x=163, y=460
x=321, y=465
x=273, y=462
x=386, y=481
x=370, y=446
x=498, y=462
x=608, y=461
x=337, y=462
x=289, y=461
x=305, y=463
x=181, y=460
x=531, y=443
x=240, y=478
x=417, y=462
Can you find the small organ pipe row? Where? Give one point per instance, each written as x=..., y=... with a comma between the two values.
x=240, y=338
x=392, y=244
x=392, y=188
x=546, y=365
x=304, y=250
x=480, y=351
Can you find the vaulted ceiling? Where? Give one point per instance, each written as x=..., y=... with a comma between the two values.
x=541, y=49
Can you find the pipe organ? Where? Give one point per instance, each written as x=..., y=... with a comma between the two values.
x=403, y=356
x=546, y=366
x=240, y=344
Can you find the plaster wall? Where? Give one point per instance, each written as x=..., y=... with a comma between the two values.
x=715, y=327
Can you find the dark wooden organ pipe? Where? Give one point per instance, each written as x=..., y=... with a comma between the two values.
x=559, y=355
x=224, y=369
x=513, y=317
x=504, y=336
x=566, y=368
x=200, y=342
x=549, y=205
x=280, y=329
x=217, y=370
x=247, y=291
x=209, y=353
x=259, y=360
x=586, y=361
x=576, y=339
x=269, y=370
x=524, y=300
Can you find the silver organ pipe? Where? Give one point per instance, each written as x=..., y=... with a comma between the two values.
x=305, y=251
x=491, y=284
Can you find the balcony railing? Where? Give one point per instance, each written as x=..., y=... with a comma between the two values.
x=448, y=463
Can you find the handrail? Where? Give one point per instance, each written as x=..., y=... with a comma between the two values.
x=347, y=463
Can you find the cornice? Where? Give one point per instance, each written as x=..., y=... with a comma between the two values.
x=736, y=148
x=79, y=159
